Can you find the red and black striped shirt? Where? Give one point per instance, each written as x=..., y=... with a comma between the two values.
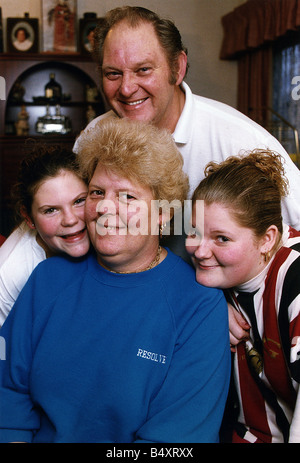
x=267, y=367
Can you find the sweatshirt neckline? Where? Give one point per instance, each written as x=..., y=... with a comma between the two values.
x=125, y=279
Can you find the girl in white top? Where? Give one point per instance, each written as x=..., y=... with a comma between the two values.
x=50, y=197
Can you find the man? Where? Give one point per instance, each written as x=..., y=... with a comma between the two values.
x=143, y=63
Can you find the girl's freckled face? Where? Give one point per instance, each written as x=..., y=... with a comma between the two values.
x=224, y=253
x=58, y=215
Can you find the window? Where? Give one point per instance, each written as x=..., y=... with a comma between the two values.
x=286, y=92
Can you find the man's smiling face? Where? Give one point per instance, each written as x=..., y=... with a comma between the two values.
x=136, y=76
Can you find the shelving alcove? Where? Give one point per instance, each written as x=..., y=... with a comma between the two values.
x=75, y=73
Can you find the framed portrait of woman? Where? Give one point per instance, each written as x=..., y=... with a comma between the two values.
x=22, y=35
x=59, y=26
x=87, y=25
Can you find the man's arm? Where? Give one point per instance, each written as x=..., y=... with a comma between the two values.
x=238, y=327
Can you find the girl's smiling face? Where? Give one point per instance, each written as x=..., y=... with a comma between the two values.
x=57, y=213
x=224, y=253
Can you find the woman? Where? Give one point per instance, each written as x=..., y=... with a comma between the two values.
x=49, y=197
x=245, y=247
x=123, y=345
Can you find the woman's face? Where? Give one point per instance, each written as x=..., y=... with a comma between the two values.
x=224, y=253
x=118, y=217
x=58, y=215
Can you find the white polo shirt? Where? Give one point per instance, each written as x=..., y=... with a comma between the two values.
x=208, y=130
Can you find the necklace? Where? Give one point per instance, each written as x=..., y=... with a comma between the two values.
x=151, y=265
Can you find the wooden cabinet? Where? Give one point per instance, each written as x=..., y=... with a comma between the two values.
x=76, y=74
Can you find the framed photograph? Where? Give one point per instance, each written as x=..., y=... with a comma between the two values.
x=22, y=35
x=86, y=33
x=59, y=26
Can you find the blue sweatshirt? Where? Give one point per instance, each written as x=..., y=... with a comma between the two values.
x=93, y=356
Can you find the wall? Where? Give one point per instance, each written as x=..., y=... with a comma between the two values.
x=199, y=22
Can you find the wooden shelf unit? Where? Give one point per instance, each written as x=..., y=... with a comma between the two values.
x=74, y=72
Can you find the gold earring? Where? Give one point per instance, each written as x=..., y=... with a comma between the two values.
x=161, y=230
x=267, y=255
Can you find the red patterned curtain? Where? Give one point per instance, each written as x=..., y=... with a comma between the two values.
x=249, y=32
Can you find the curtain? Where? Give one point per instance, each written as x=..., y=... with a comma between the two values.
x=254, y=84
x=249, y=33
x=257, y=22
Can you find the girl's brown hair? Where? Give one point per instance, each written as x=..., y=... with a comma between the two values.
x=41, y=162
x=251, y=185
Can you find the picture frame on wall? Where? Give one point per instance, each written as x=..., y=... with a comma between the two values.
x=87, y=25
x=59, y=26
x=22, y=35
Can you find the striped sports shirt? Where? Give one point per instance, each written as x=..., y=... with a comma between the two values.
x=267, y=367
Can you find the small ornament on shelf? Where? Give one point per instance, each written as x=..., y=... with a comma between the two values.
x=91, y=94
x=90, y=114
x=53, y=89
x=53, y=123
x=22, y=126
x=17, y=92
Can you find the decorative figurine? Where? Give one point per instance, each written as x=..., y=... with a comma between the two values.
x=22, y=126
x=17, y=92
x=92, y=93
x=90, y=114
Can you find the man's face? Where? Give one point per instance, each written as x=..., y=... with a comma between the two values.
x=136, y=76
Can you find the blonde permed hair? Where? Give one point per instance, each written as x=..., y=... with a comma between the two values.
x=138, y=151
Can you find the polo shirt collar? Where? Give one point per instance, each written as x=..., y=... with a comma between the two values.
x=183, y=128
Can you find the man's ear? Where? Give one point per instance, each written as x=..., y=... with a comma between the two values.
x=181, y=68
x=27, y=218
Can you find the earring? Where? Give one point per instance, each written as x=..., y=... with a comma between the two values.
x=267, y=256
x=161, y=230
